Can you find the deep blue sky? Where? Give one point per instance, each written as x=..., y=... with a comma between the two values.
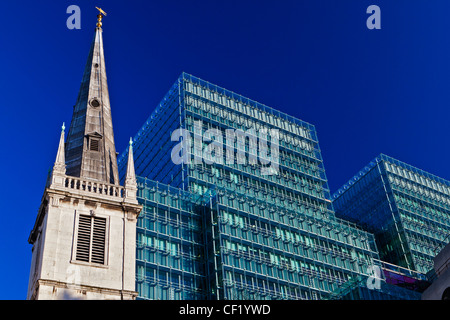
x=366, y=91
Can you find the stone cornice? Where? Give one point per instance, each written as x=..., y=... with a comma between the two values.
x=87, y=288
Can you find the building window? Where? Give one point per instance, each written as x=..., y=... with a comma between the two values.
x=94, y=145
x=94, y=102
x=91, y=239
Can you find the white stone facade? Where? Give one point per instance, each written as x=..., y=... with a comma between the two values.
x=55, y=272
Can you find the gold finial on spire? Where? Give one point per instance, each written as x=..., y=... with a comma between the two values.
x=99, y=17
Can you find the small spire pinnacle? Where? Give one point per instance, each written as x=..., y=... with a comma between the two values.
x=63, y=128
x=130, y=176
x=59, y=168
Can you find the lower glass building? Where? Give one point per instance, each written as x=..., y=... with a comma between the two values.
x=170, y=247
x=356, y=289
x=258, y=224
x=406, y=208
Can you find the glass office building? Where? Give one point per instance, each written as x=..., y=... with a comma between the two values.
x=258, y=226
x=170, y=247
x=406, y=208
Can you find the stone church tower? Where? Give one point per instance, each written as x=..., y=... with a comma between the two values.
x=84, y=238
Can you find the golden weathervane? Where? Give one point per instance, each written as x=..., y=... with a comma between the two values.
x=100, y=16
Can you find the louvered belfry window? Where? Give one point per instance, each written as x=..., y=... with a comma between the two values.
x=94, y=145
x=91, y=239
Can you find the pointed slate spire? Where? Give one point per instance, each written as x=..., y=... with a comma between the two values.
x=90, y=147
x=130, y=177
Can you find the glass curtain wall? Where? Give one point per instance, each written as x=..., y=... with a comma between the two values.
x=266, y=236
x=170, y=255
x=406, y=208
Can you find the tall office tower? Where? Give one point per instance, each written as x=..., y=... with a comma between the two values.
x=84, y=238
x=406, y=208
x=247, y=214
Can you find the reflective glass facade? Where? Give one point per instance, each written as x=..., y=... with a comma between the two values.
x=170, y=247
x=356, y=289
x=253, y=234
x=406, y=208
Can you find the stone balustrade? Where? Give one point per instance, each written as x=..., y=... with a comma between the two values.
x=99, y=188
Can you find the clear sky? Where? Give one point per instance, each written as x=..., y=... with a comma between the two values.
x=366, y=91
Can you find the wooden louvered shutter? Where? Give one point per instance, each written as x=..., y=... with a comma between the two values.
x=84, y=238
x=94, y=145
x=98, y=240
x=91, y=239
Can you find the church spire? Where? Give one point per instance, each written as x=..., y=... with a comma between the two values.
x=87, y=223
x=90, y=148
